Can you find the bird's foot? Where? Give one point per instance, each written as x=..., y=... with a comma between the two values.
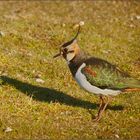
x=96, y=118
x=93, y=117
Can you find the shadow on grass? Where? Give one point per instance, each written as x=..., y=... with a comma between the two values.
x=50, y=95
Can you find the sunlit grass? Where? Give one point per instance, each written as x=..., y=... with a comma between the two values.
x=58, y=108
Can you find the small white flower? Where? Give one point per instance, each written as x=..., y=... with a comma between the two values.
x=81, y=23
x=2, y=33
x=39, y=80
x=8, y=129
x=117, y=136
x=63, y=25
x=137, y=17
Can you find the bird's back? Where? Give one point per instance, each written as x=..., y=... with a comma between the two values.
x=104, y=75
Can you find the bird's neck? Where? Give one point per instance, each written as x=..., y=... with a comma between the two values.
x=76, y=62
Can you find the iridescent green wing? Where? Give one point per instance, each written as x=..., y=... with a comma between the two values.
x=102, y=74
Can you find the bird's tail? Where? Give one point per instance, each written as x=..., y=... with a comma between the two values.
x=133, y=85
x=131, y=89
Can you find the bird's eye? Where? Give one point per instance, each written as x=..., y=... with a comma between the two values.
x=65, y=50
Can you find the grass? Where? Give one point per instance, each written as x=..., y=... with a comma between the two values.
x=58, y=108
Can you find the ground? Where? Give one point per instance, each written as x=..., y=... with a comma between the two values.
x=39, y=99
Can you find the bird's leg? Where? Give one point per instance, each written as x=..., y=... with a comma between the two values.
x=101, y=104
x=102, y=107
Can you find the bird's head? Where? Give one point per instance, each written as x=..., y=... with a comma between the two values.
x=69, y=49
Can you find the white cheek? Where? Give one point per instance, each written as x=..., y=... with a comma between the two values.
x=69, y=56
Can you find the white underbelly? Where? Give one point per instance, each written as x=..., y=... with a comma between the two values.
x=82, y=81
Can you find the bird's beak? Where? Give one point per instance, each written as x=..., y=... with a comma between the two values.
x=59, y=54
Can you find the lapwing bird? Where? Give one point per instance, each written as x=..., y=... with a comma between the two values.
x=95, y=75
